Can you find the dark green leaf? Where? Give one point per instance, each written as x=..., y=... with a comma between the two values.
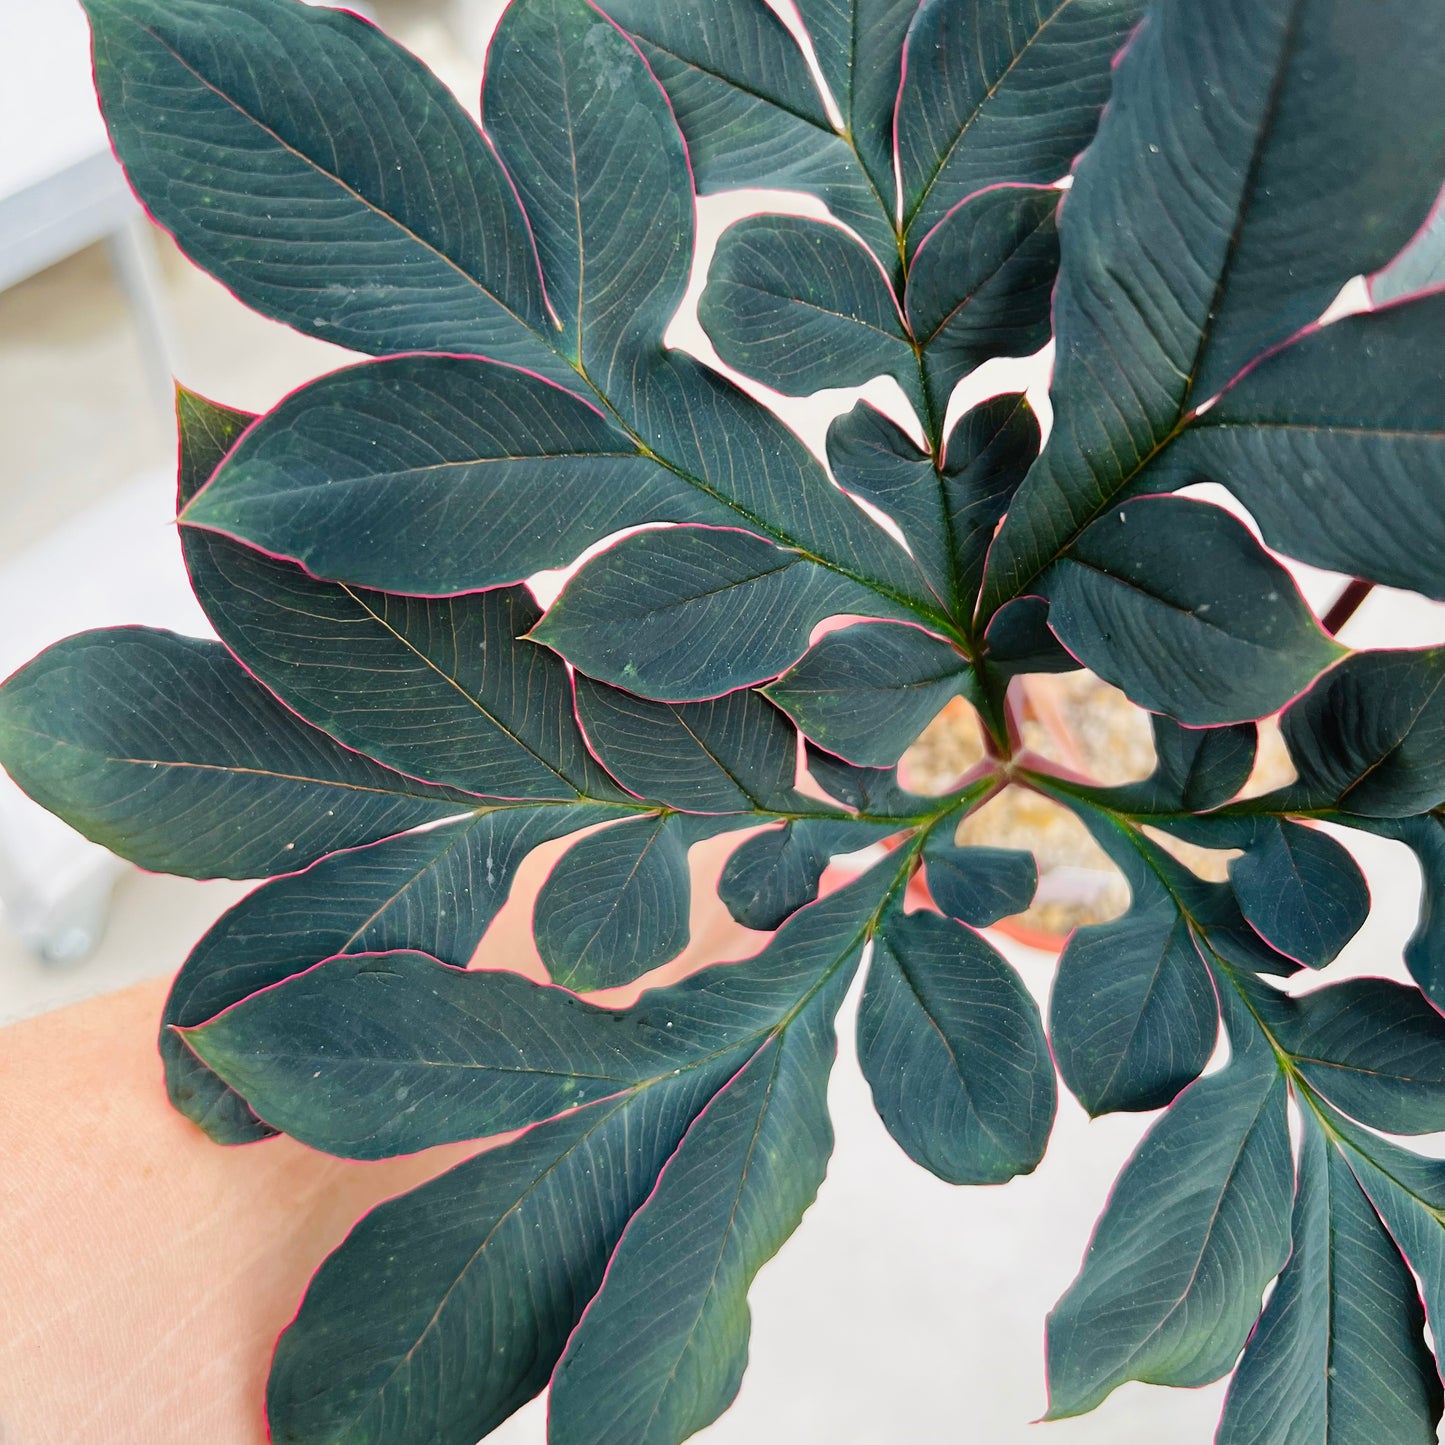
x=979, y=885
x=322, y=173
x=734, y=754
x=451, y=695
x=1369, y=736
x=1195, y=769
x=1202, y=768
x=799, y=305
x=382, y=1054
x=868, y=790
x=1197, y=1225
x=859, y=45
x=1221, y=931
x=1255, y=155
x=1132, y=1015
x=989, y=453
x=1419, y=267
x=207, y=431
x=1008, y=90
x=751, y=114
x=952, y=1047
x=586, y=133
x=387, y=1053
x=1409, y=1194
x=163, y=749
x=450, y=691
x=1376, y=1049
x=660, y=1351
x=435, y=890
x=437, y=474
x=1301, y=890
x=874, y=458
x=948, y=515
x=1339, y=1356
x=866, y=692
x=1175, y=602
x=720, y=440
x=1336, y=444
x=1020, y=639
x=1425, y=949
x=775, y=873
x=425, y=474
x=692, y=612
x=616, y=903
x=445, y=1310
x=981, y=283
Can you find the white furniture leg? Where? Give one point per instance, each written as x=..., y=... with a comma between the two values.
x=132, y=254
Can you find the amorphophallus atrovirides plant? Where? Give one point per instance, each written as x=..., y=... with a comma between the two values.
x=390, y=722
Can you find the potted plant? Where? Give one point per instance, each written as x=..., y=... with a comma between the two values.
x=391, y=722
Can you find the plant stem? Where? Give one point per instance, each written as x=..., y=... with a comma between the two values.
x=1346, y=605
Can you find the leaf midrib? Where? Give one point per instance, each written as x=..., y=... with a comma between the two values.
x=964, y=1089
x=776, y=533
x=967, y=122
x=321, y=170
x=964, y=302
x=452, y=682
x=1183, y=418
x=1213, y=1220
x=726, y=1233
